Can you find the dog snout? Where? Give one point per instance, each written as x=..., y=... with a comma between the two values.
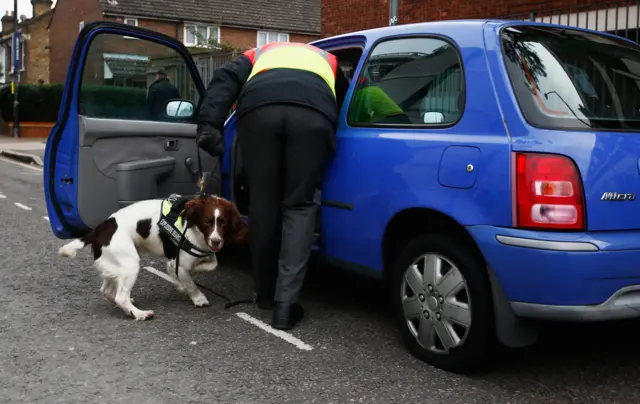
x=215, y=242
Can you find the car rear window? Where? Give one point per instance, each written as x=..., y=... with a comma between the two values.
x=570, y=79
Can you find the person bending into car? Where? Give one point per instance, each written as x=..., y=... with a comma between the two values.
x=287, y=97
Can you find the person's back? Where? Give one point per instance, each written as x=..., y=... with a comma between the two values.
x=290, y=76
x=291, y=82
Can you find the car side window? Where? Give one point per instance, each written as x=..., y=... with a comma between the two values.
x=409, y=81
x=129, y=78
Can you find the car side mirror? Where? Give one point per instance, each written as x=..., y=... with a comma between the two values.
x=433, y=117
x=180, y=109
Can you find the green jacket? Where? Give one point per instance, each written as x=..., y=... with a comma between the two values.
x=372, y=104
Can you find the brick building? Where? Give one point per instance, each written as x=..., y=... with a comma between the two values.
x=238, y=24
x=618, y=16
x=34, y=52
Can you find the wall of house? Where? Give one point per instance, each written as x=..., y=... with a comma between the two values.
x=65, y=27
x=248, y=38
x=169, y=28
x=37, y=51
x=35, y=47
x=63, y=33
x=343, y=16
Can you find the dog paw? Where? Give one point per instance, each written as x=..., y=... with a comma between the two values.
x=142, y=315
x=200, y=301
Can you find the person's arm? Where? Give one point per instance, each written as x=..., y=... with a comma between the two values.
x=342, y=86
x=223, y=91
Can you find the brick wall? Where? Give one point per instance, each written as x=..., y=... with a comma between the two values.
x=34, y=53
x=248, y=38
x=37, y=50
x=65, y=27
x=166, y=27
x=342, y=16
x=64, y=30
x=302, y=38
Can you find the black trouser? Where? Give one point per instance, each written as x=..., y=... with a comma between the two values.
x=284, y=148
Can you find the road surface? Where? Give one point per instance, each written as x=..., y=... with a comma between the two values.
x=62, y=342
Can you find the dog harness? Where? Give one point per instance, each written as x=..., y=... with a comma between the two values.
x=171, y=223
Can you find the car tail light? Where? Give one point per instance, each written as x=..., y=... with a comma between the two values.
x=548, y=192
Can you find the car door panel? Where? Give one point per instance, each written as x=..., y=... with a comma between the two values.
x=133, y=160
x=110, y=148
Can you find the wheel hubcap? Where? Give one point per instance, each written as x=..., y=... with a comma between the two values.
x=436, y=303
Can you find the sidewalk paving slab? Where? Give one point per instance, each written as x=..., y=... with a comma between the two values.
x=26, y=150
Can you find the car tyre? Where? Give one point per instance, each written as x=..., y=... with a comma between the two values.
x=441, y=312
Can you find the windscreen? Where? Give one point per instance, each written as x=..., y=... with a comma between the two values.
x=570, y=79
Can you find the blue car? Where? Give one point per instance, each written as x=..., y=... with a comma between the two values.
x=486, y=171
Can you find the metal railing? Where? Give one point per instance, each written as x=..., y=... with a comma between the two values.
x=619, y=17
x=208, y=63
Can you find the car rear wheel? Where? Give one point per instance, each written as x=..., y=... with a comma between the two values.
x=442, y=303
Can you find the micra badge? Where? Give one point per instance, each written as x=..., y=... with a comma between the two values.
x=616, y=197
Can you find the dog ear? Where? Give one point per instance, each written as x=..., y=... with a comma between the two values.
x=238, y=229
x=193, y=211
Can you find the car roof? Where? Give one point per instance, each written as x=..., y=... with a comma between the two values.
x=433, y=26
x=453, y=28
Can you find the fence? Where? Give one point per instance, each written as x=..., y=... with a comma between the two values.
x=621, y=17
x=208, y=63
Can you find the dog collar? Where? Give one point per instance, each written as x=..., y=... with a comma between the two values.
x=171, y=223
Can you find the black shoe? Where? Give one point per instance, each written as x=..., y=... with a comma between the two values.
x=265, y=303
x=286, y=315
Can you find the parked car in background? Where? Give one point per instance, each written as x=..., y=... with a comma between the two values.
x=486, y=171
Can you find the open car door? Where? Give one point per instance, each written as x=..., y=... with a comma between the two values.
x=124, y=133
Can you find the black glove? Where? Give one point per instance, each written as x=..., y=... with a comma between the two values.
x=210, y=140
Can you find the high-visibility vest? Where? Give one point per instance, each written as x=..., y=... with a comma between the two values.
x=291, y=55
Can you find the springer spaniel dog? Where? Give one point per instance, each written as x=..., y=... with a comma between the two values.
x=210, y=222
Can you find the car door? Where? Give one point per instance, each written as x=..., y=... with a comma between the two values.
x=123, y=133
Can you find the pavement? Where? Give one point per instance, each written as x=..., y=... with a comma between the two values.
x=62, y=342
x=26, y=150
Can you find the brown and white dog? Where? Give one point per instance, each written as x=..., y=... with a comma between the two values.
x=211, y=222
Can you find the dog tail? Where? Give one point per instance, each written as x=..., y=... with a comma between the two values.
x=98, y=236
x=72, y=248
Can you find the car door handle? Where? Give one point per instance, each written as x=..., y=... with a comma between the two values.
x=189, y=163
x=171, y=145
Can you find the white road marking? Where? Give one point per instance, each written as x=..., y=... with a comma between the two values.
x=2, y=196
x=162, y=275
x=18, y=163
x=21, y=206
x=46, y=218
x=278, y=333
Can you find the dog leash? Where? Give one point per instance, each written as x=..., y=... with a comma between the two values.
x=202, y=183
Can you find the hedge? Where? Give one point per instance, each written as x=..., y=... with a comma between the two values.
x=40, y=103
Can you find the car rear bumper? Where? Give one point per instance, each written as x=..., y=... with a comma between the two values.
x=623, y=304
x=565, y=276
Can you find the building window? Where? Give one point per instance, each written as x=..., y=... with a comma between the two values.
x=23, y=62
x=265, y=37
x=80, y=26
x=10, y=58
x=200, y=35
x=4, y=70
x=130, y=21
